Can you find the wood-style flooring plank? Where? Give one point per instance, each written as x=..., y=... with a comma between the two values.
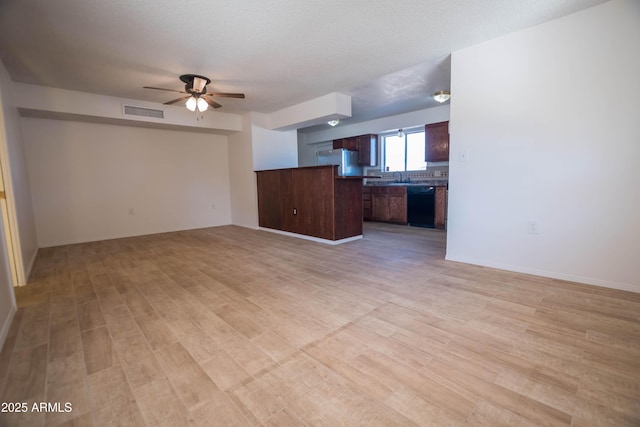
x=237, y=327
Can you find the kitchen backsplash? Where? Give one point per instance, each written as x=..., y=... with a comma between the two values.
x=434, y=172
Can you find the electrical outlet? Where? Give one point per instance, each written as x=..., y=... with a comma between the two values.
x=533, y=227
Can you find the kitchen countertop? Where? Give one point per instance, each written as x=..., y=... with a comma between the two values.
x=442, y=182
x=350, y=177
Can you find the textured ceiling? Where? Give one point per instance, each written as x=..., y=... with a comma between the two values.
x=389, y=55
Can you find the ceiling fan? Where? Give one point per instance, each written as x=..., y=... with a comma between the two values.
x=195, y=89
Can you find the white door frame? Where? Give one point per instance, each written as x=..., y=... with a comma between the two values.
x=8, y=209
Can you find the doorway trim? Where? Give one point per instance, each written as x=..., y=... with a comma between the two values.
x=8, y=209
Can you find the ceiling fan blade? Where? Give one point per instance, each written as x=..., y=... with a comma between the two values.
x=161, y=88
x=173, y=101
x=226, y=95
x=212, y=103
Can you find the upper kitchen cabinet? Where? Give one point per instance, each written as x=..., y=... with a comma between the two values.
x=436, y=142
x=367, y=150
x=346, y=143
x=365, y=145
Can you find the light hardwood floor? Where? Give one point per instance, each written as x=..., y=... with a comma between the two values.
x=229, y=326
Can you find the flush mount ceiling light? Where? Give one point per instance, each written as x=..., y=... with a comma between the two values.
x=442, y=96
x=333, y=122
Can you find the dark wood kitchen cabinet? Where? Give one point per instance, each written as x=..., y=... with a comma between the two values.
x=365, y=145
x=440, y=215
x=346, y=143
x=366, y=203
x=436, y=142
x=273, y=195
x=312, y=201
x=367, y=150
x=389, y=204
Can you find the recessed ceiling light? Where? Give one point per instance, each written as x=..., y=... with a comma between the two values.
x=333, y=122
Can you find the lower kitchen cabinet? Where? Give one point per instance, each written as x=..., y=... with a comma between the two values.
x=366, y=203
x=389, y=204
x=440, y=208
x=312, y=201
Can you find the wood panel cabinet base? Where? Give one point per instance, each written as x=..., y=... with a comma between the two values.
x=313, y=239
x=311, y=201
x=389, y=204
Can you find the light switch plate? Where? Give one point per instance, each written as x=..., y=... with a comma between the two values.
x=463, y=156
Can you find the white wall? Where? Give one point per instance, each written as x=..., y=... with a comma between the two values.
x=53, y=103
x=86, y=177
x=244, y=200
x=256, y=148
x=549, y=118
x=274, y=149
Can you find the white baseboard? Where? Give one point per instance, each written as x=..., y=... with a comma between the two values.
x=27, y=271
x=7, y=324
x=550, y=274
x=313, y=239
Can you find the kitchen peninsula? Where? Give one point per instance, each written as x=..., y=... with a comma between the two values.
x=311, y=202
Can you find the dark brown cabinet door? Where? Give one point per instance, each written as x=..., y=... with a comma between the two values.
x=367, y=150
x=346, y=143
x=273, y=196
x=366, y=145
x=398, y=208
x=380, y=206
x=312, y=202
x=436, y=142
x=441, y=207
x=366, y=203
x=389, y=204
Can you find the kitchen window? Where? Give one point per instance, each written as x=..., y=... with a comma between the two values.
x=404, y=151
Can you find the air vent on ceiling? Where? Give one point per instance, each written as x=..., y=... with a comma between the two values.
x=130, y=110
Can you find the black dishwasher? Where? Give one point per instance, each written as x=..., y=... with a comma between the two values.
x=421, y=206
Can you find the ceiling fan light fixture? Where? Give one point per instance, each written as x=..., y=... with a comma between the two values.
x=191, y=104
x=195, y=89
x=333, y=122
x=442, y=96
x=202, y=105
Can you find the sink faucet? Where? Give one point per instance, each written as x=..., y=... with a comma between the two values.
x=400, y=175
